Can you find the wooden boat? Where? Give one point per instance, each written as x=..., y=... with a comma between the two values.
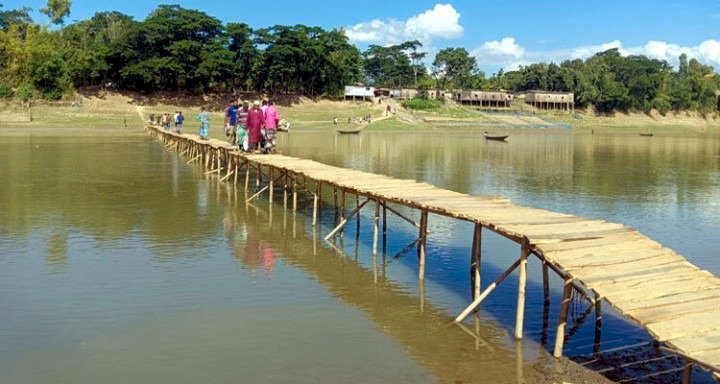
x=489, y=136
x=647, y=134
x=354, y=131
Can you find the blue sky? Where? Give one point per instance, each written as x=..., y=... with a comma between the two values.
x=500, y=34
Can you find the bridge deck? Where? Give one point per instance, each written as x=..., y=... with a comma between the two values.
x=675, y=301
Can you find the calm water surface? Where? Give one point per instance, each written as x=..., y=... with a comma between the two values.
x=120, y=263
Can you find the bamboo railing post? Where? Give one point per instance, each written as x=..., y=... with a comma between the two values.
x=376, y=224
x=421, y=244
x=475, y=261
x=562, y=317
x=522, y=282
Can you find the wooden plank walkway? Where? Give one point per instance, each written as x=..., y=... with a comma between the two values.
x=649, y=284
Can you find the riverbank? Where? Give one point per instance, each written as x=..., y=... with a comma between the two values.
x=122, y=114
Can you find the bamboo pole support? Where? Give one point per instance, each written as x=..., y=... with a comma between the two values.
x=357, y=220
x=486, y=292
x=421, y=244
x=376, y=223
x=522, y=282
x=294, y=194
x=562, y=318
x=272, y=184
x=687, y=372
x=285, y=189
x=247, y=177
x=598, y=324
x=384, y=224
x=475, y=261
x=258, y=176
x=316, y=198
x=236, y=172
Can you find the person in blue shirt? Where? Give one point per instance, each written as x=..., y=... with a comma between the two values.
x=179, y=122
x=231, y=119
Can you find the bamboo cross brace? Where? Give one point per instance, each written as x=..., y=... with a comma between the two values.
x=402, y=216
x=487, y=291
x=193, y=159
x=345, y=220
x=227, y=176
x=213, y=171
x=257, y=194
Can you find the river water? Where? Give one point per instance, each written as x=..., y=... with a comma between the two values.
x=120, y=263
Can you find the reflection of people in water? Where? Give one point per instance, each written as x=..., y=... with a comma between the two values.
x=250, y=251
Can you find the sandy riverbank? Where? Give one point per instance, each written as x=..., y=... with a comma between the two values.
x=116, y=114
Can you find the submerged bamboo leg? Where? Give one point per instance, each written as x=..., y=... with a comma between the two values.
x=315, y=207
x=562, y=318
x=475, y=261
x=486, y=292
x=421, y=244
x=294, y=194
x=357, y=220
x=687, y=372
x=272, y=184
x=247, y=176
x=375, y=226
x=285, y=189
x=520, y=312
x=598, y=324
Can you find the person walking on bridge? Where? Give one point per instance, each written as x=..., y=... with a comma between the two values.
x=204, y=118
x=255, y=122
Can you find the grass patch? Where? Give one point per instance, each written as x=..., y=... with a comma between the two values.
x=423, y=104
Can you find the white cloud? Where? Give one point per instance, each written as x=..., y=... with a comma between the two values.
x=442, y=21
x=509, y=55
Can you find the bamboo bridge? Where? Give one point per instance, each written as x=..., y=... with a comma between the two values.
x=647, y=283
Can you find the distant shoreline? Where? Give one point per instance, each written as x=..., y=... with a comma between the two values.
x=118, y=114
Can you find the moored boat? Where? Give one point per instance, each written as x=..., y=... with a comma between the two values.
x=489, y=136
x=349, y=131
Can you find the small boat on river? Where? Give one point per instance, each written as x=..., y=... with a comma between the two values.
x=649, y=134
x=354, y=131
x=489, y=136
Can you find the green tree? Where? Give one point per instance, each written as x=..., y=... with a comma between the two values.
x=57, y=10
x=454, y=67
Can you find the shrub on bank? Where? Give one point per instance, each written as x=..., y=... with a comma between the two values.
x=5, y=91
x=423, y=104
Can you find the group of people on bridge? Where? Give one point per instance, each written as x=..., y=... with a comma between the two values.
x=251, y=128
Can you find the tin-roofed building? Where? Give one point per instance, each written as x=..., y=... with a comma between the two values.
x=486, y=99
x=548, y=100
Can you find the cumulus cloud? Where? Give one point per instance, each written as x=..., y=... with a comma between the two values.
x=509, y=55
x=442, y=21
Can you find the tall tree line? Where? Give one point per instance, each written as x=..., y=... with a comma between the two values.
x=183, y=50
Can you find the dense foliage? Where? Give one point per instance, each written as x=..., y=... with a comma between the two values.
x=182, y=50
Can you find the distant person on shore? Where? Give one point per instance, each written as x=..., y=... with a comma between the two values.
x=204, y=118
x=242, y=118
x=231, y=119
x=179, y=122
x=254, y=125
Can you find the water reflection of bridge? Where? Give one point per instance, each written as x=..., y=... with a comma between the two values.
x=606, y=262
x=478, y=352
